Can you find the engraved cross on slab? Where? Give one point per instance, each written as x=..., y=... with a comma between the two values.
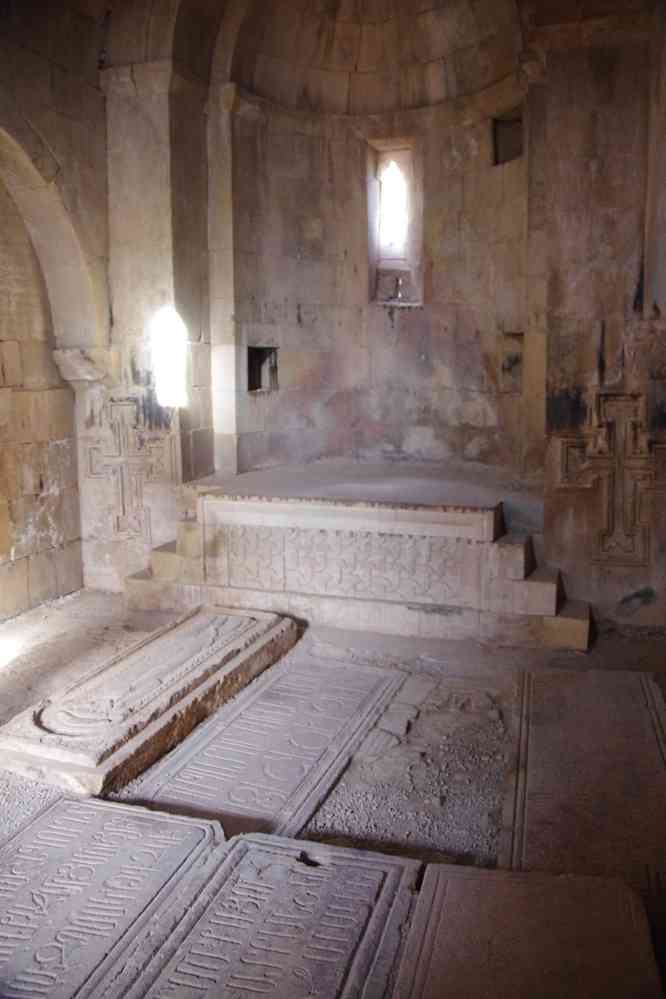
x=617, y=454
x=132, y=459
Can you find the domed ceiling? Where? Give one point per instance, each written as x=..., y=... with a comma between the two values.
x=367, y=56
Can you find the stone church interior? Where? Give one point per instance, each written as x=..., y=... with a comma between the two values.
x=332, y=491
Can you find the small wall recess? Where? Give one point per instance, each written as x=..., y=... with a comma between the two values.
x=262, y=369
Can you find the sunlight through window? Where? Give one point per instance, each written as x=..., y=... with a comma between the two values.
x=168, y=346
x=393, y=211
x=9, y=650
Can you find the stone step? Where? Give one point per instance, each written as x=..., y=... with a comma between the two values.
x=169, y=564
x=514, y=556
x=189, y=542
x=571, y=628
x=544, y=591
x=145, y=592
x=538, y=595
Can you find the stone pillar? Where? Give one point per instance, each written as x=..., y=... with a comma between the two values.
x=225, y=352
x=132, y=451
x=654, y=293
x=534, y=356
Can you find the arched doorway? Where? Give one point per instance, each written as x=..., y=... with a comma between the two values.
x=47, y=308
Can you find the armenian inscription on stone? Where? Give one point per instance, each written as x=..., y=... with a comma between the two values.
x=94, y=733
x=265, y=761
x=291, y=920
x=78, y=887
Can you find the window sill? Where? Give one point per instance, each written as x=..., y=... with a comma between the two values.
x=395, y=304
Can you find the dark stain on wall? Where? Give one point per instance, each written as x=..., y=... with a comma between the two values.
x=633, y=602
x=601, y=355
x=657, y=405
x=658, y=416
x=142, y=379
x=639, y=295
x=566, y=410
x=152, y=415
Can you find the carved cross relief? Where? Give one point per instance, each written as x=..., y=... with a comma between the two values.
x=133, y=458
x=617, y=456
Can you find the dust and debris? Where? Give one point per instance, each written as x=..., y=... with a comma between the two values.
x=428, y=781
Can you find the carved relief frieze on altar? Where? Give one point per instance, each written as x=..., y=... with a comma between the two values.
x=125, y=457
x=348, y=563
x=617, y=457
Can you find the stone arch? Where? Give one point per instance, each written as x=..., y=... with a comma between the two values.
x=30, y=174
x=184, y=31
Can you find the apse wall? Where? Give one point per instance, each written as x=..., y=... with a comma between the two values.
x=357, y=378
x=40, y=550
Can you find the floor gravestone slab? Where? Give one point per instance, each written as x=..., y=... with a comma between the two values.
x=518, y=936
x=289, y=920
x=88, y=892
x=589, y=788
x=126, y=714
x=265, y=761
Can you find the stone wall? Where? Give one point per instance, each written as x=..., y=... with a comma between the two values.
x=357, y=378
x=52, y=107
x=606, y=470
x=40, y=551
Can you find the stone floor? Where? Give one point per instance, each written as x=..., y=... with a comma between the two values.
x=564, y=750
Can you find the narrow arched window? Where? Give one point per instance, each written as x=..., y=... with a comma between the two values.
x=395, y=222
x=168, y=348
x=393, y=210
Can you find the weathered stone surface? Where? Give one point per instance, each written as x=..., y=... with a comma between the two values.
x=89, y=891
x=589, y=790
x=482, y=933
x=265, y=761
x=114, y=723
x=289, y=919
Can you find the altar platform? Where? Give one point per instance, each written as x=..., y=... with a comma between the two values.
x=401, y=549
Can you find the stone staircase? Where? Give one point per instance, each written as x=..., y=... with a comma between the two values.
x=366, y=566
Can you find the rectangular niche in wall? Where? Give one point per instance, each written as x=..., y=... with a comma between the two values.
x=395, y=222
x=508, y=136
x=262, y=369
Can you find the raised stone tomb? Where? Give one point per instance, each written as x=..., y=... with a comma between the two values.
x=265, y=761
x=290, y=920
x=89, y=891
x=122, y=717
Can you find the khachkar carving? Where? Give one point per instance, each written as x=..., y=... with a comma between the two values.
x=616, y=455
x=132, y=457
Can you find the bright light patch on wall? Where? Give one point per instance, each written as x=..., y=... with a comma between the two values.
x=168, y=347
x=9, y=650
x=393, y=211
